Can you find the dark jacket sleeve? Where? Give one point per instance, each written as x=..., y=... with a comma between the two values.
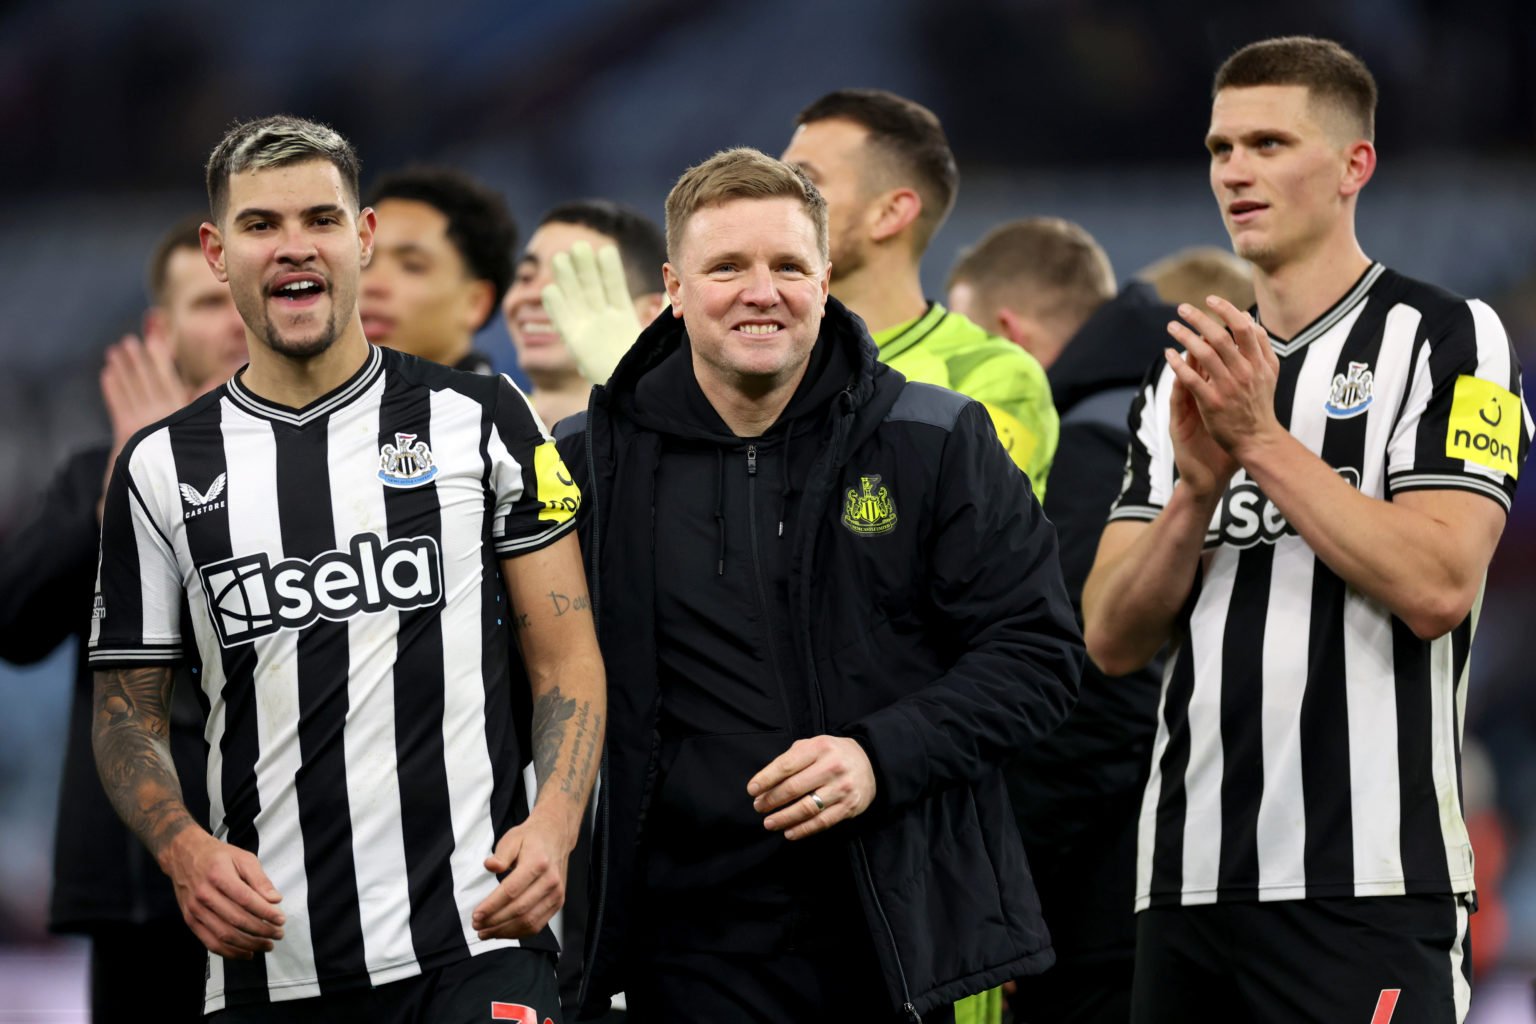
x=48, y=565
x=996, y=589
x=1090, y=461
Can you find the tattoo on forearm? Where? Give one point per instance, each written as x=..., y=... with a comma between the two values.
x=519, y=620
x=551, y=712
x=565, y=603
x=130, y=734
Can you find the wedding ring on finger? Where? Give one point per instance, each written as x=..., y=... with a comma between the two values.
x=816, y=799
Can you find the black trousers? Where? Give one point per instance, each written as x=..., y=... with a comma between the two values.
x=163, y=958
x=1403, y=959
x=515, y=985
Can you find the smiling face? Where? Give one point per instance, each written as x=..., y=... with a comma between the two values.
x=417, y=294
x=1282, y=172
x=291, y=246
x=751, y=287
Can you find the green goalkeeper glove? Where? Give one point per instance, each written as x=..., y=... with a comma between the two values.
x=589, y=305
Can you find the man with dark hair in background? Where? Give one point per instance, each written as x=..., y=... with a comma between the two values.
x=442, y=260
x=611, y=257
x=1047, y=285
x=890, y=179
x=1310, y=507
x=105, y=885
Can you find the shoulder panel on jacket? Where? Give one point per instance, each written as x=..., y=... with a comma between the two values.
x=928, y=403
x=572, y=425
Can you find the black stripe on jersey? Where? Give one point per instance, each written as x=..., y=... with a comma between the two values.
x=1446, y=361
x=504, y=684
x=197, y=448
x=1327, y=793
x=1173, y=801
x=308, y=530
x=125, y=599
x=1242, y=689
x=426, y=822
x=1423, y=844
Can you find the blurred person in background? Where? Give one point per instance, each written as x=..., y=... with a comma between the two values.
x=563, y=377
x=890, y=179
x=105, y=884
x=1189, y=275
x=442, y=260
x=1311, y=504
x=1048, y=286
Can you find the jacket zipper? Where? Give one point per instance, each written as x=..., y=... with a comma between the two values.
x=865, y=872
x=762, y=590
x=907, y=1008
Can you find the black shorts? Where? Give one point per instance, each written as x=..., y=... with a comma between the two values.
x=516, y=985
x=1371, y=960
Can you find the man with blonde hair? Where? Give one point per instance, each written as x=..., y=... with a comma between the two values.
x=840, y=611
x=1189, y=275
x=1047, y=284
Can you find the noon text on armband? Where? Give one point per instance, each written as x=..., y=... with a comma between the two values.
x=1247, y=517
x=249, y=597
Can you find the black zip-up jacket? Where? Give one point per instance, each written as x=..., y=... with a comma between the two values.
x=929, y=622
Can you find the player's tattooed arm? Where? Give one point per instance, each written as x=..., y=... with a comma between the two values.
x=130, y=733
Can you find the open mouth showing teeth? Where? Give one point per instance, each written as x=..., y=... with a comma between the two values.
x=299, y=290
x=758, y=328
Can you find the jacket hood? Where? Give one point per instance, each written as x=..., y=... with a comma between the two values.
x=1113, y=348
x=654, y=384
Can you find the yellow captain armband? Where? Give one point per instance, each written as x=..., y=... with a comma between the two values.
x=557, y=491
x=1485, y=425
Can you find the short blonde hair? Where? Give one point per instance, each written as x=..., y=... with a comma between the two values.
x=742, y=174
x=1044, y=267
x=1189, y=275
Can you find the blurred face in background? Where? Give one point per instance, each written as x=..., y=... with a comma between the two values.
x=540, y=349
x=196, y=315
x=417, y=294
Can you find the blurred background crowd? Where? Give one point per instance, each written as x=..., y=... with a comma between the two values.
x=1092, y=110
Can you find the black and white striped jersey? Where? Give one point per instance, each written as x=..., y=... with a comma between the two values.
x=1308, y=744
x=340, y=567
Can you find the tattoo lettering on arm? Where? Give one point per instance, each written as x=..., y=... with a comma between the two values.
x=583, y=750
x=551, y=712
x=565, y=603
x=130, y=733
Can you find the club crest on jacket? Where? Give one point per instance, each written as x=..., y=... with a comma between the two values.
x=869, y=511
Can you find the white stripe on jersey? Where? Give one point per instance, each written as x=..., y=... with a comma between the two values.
x=159, y=603
x=253, y=515
x=1202, y=776
x=1461, y=992
x=373, y=786
x=1370, y=683
x=1146, y=826
x=456, y=440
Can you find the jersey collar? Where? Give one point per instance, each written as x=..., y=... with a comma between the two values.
x=893, y=341
x=321, y=407
x=1331, y=316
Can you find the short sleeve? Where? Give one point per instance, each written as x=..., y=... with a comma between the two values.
x=1149, y=467
x=536, y=498
x=1464, y=424
x=136, y=615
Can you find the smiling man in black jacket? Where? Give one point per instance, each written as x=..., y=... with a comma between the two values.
x=833, y=610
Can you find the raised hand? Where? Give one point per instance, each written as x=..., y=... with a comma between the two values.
x=590, y=305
